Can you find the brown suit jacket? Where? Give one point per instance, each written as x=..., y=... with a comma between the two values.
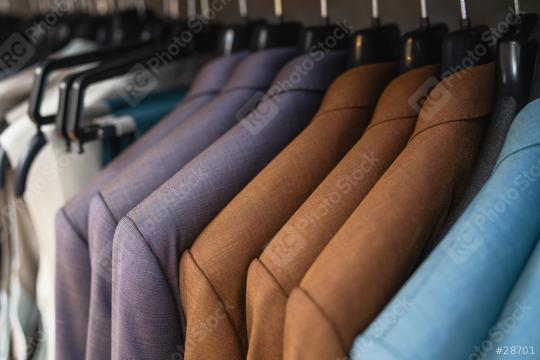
x=291, y=252
x=213, y=273
x=382, y=242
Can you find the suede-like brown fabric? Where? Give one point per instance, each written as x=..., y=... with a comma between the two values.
x=291, y=252
x=213, y=273
x=382, y=242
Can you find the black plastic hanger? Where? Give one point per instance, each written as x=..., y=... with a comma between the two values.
x=534, y=47
x=238, y=36
x=516, y=57
x=422, y=46
x=8, y=22
x=131, y=51
x=55, y=35
x=73, y=96
x=43, y=71
x=459, y=45
x=277, y=33
x=75, y=23
x=379, y=43
x=51, y=65
x=314, y=37
x=4, y=165
x=535, y=87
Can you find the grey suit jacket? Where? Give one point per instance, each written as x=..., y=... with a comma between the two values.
x=73, y=263
x=506, y=109
x=147, y=319
x=252, y=76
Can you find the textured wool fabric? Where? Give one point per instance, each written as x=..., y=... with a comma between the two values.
x=379, y=245
x=518, y=323
x=213, y=272
x=160, y=163
x=505, y=110
x=73, y=265
x=293, y=249
x=155, y=233
x=465, y=282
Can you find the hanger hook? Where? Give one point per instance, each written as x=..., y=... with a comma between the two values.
x=424, y=17
x=83, y=6
x=112, y=6
x=423, y=9
x=171, y=9
x=33, y=6
x=324, y=12
x=465, y=20
x=140, y=5
x=375, y=19
x=6, y=6
x=205, y=8
x=165, y=8
x=242, y=9
x=91, y=7
x=517, y=7
x=374, y=9
x=278, y=9
x=191, y=9
x=43, y=6
x=464, y=12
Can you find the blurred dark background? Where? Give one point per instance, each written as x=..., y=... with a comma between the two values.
x=403, y=12
x=356, y=12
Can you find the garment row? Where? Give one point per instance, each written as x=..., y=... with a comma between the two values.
x=274, y=204
x=27, y=221
x=275, y=213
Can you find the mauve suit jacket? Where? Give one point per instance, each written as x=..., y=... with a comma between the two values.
x=73, y=263
x=147, y=318
x=293, y=249
x=253, y=76
x=381, y=243
x=213, y=273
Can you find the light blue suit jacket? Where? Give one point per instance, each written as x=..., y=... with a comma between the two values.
x=518, y=326
x=447, y=308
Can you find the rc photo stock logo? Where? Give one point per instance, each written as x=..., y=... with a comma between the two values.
x=15, y=53
x=430, y=98
x=258, y=112
x=465, y=243
x=288, y=247
x=141, y=82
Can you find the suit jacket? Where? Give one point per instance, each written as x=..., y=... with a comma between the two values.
x=252, y=76
x=213, y=272
x=155, y=233
x=73, y=263
x=465, y=282
x=293, y=249
x=522, y=305
x=505, y=110
x=385, y=236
